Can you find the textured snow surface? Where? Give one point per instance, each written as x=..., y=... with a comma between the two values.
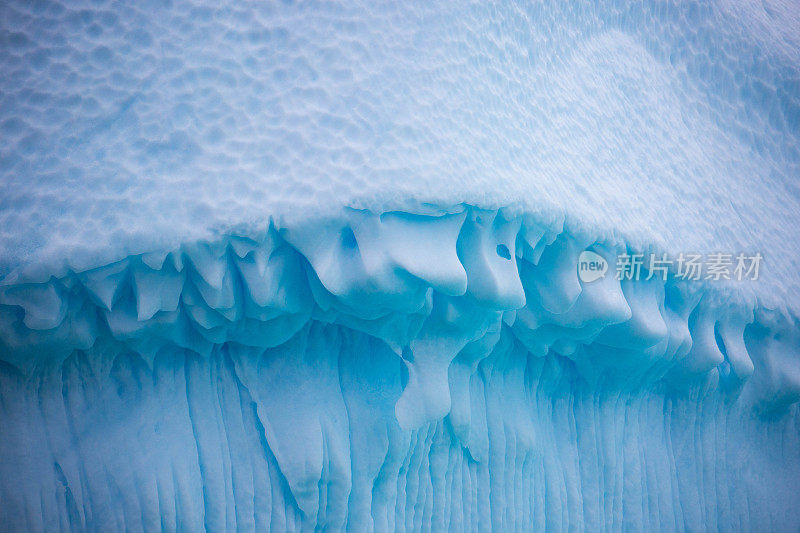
x=135, y=128
x=278, y=266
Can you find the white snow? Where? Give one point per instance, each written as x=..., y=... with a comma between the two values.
x=295, y=266
x=131, y=129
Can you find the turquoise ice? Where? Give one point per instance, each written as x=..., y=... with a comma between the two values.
x=288, y=266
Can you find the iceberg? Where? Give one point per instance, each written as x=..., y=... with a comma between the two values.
x=292, y=267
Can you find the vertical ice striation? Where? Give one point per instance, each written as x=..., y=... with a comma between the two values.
x=303, y=381
x=291, y=267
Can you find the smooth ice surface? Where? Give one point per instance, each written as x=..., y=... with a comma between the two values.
x=287, y=267
x=393, y=372
x=134, y=128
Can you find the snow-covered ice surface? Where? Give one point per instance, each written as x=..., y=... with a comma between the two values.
x=286, y=266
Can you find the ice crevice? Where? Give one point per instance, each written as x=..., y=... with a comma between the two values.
x=384, y=371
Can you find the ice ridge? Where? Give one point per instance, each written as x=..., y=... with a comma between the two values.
x=394, y=371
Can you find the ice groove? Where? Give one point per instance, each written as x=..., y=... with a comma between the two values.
x=281, y=384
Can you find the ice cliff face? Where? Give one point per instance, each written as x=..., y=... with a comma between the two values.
x=291, y=266
x=393, y=372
